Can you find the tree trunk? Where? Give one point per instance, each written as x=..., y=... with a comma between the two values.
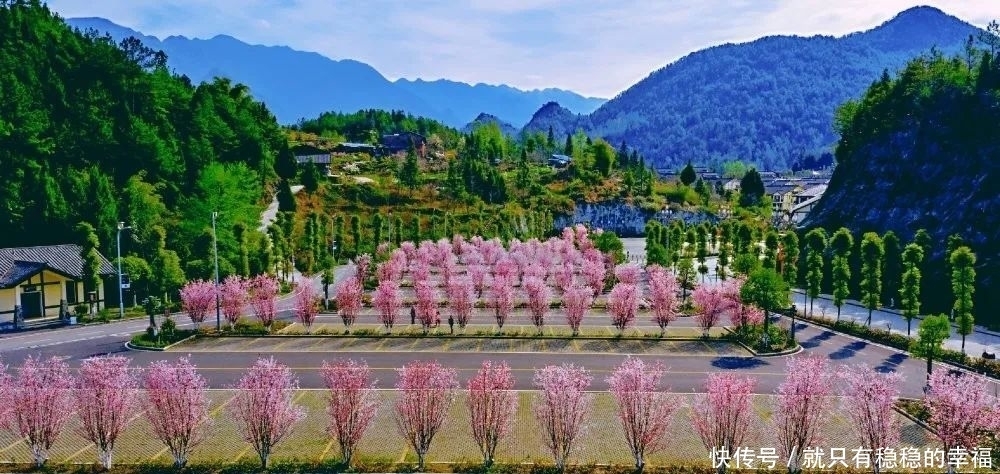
x=869, y=323
x=838, y=315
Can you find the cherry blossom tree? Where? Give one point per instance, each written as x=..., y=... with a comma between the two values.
x=197, y=298
x=538, y=300
x=348, y=297
x=576, y=301
x=307, y=303
x=802, y=404
x=106, y=395
x=534, y=270
x=628, y=273
x=870, y=399
x=449, y=267
x=723, y=414
x=644, y=410
x=563, y=275
x=712, y=306
x=363, y=264
x=663, y=293
x=593, y=274
x=421, y=271
x=426, y=393
x=505, y=269
x=263, y=297
x=388, y=301
x=177, y=406
x=461, y=300
x=623, y=304
x=41, y=402
x=492, y=404
x=233, y=298
x=502, y=299
x=961, y=412
x=263, y=406
x=427, y=304
x=353, y=403
x=741, y=315
x=385, y=271
x=561, y=407
x=477, y=274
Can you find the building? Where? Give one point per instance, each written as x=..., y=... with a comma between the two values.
x=310, y=154
x=732, y=185
x=43, y=281
x=401, y=142
x=560, y=161
x=354, y=148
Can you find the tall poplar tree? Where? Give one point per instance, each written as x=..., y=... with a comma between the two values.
x=893, y=268
x=842, y=242
x=872, y=255
x=816, y=245
x=909, y=292
x=963, y=286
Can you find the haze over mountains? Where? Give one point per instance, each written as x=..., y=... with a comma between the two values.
x=297, y=84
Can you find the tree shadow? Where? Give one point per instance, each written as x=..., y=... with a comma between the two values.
x=730, y=362
x=816, y=340
x=849, y=350
x=891, y=363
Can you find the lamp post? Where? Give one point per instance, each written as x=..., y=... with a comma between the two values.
x=215, y=250
x=121, y=299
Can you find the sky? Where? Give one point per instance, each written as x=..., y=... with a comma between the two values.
x=595, y=47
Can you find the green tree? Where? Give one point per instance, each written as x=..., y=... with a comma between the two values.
x=610, y=244
x=745, y=264
x=169, y=276
x=790, y=262
x=931, y=334
x=328, y=279
x=311, y=177
x=397, y=235
x=286, y=200
x=701, y=251
x=686, y=271
x=688, y=175
x=378, y=225
x=356, y=234
x=963, y=285
x=604, y=157
x=909, y=292
x=768, y=291
x=243, y=249
x=816, y=241
x=550, y=141
x=409, y=173
x=91, y=270
x=568, y=148
x=771, y=241
x=415, y=229
x=872, y=254
x=842, y=242
x=751, y=189
x=338, y=235
x=893, y=268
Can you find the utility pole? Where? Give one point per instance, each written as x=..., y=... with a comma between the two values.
x=215, y=250
x=121, y=304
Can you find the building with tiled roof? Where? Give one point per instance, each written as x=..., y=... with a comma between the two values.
x=37, y=280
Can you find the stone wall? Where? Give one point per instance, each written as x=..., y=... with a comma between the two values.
x=624, y=219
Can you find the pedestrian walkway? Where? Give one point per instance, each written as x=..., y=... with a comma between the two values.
x=982, y=340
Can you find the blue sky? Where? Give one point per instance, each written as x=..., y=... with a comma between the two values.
x=594, y=47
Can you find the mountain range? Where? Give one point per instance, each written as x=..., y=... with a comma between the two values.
x=768, y=102
x=298, y=84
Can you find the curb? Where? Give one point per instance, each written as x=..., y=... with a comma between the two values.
x=794, y=350
x=458, y=336
x=911, y=417
x=129, y=346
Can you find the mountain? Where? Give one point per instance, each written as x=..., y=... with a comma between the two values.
x=486, y=119
x=919, y=152
x=561, y=120
x=766, y=101
x=297, y=84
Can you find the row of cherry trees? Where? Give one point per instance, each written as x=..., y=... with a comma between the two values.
x=43, y=396
x=236, y=293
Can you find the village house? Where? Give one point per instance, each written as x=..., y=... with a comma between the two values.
x=401, y=142
x=46, y=282
x=305, y=154
x=560, y=161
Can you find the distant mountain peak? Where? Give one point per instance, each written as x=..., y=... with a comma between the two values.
x=484, y=118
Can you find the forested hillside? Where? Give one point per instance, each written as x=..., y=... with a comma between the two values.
x=97, y=132
x=767, y=101
x=919, y=151
x=367, y=126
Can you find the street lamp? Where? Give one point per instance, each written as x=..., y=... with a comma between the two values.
x=215, y=250
x=121, y=304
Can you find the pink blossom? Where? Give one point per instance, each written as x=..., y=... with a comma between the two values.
x=233, y=295
x=263, y=406
x=197, y=298
x=427, y=391
x=563, y=275
x=538, y=300
x=740, y=314
x=177, y=406
x=385, y=271
x=353, y=403
x=502, y=299
x=576, y=301
x=663, y=293
x=644, y=410
x=562, y=406
x=961, y=412
x=263, y=295
x=711, y=306
x=722, y=416
x=461, y=300
x=41, y=403
x=388, y=301
x=593, y=274
x=803, y=403
x=477, y=274
x=628, y=273
x=307, y=303
x=421, y=272
x=623, y=304
x=106, y=390
x=870, y=399
x=472, y=257
x=534, y=270
x=458, y=244
x=363, y=265
x=409, y=248
x=506, y=269
x=449, y=267
x=427, y=304
x=492, y=404
x=348, y=295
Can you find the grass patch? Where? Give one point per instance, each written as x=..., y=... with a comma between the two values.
x=161, y=340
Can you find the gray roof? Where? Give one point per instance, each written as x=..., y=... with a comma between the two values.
x=814, y=191
x=19, y=263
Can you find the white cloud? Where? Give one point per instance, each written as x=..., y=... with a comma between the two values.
x=595, y=47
